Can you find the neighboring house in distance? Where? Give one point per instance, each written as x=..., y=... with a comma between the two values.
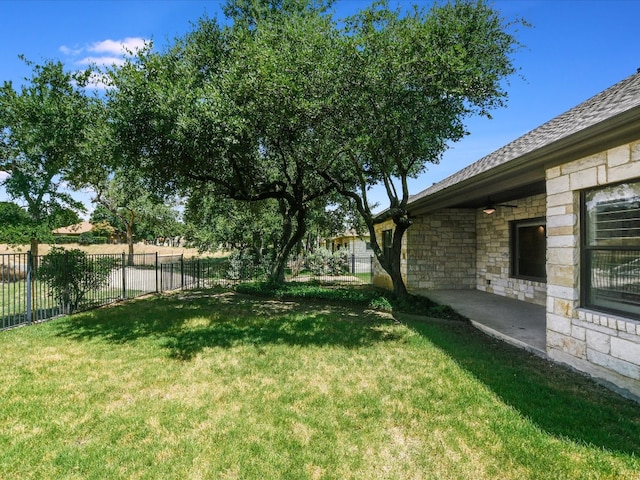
x=572, y=244
x=78, y=229
x=74, y=230
x=352, y=242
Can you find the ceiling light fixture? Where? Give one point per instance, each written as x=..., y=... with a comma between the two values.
x=489, y=209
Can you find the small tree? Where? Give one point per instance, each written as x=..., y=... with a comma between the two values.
x=71, y=274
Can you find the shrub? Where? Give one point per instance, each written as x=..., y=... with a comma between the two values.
x=89, y=238
x=241, y=265
x=71, y=274
x=65, y=239
x=323, y=262
x=103, y=229
x=82, y=239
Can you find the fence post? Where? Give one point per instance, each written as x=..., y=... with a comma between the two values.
x=29, y=293
x=182, y=271
x=66, y=309
x=371, y=268
x=198, y=274
x=157, y=285
x=124, y=278
x=353, y=263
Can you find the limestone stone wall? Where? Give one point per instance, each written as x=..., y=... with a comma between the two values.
x=438, y=252
x=441, y=251
x=493, y=251
x=603, y=345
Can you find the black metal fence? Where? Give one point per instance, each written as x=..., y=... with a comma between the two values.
x=34, y=289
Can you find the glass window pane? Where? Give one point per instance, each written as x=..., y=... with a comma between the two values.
x=532, y=251
x=613, y=216
x=529, y=249
x=615, y=280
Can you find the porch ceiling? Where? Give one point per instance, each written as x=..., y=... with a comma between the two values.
x=480, y=197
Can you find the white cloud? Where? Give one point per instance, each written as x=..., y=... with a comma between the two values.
x=3, y=175
x=70, y=51
x=105, y=53
x=118, y=47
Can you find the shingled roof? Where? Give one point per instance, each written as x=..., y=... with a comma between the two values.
x=76, y=229
x=619, y=98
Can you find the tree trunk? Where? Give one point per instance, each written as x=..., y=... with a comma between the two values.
x=130, y=243
x=395, y=272
x=35, y=243
x=391, y=263
x=402, y=223
x=289, y=241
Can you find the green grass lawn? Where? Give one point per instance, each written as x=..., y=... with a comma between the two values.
x=223, y=385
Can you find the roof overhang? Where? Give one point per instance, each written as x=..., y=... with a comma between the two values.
x=525, y=175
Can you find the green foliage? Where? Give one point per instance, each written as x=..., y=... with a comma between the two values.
x=287, y=103
x=241, y=266
x=65, y=239
x=238, y=106
x=18, y=228
x=71, y=274
x=369, y=296
x=102, y=229
x=58, y=217
x=213, y=221
x=322, y=262
x=42, y=134
x=381, y=303
x=12, y=214
x=408, y=80
x=88, y=238
x=102, y=215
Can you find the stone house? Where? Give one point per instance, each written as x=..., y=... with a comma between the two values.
x=552, y=218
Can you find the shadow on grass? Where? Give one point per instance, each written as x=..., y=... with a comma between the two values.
x=187, y=326
x=559, y=401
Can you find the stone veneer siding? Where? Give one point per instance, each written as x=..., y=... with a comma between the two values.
x=493, y=261
x=441, y=251
x=603, y=345
x=438, y=252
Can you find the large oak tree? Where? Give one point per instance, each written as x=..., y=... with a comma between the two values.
x=287, y=104
x=237, y=109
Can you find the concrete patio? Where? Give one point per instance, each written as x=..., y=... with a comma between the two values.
x=519, y=323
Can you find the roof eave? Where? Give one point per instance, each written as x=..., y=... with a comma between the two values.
x=530, y=167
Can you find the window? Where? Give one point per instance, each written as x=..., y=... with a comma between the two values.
x=529, y=249
x=611, y=249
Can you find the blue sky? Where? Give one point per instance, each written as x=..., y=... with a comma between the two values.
x=574, y=50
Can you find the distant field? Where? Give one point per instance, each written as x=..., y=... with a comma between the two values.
x=118, y=248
